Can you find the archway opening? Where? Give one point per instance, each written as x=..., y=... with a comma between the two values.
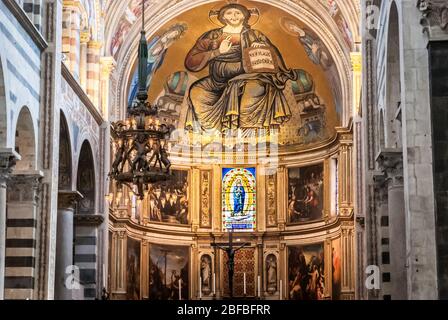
x=393, y=90
x=86, y=180
x=65, y=156
x=86, y=230
x=25, y=142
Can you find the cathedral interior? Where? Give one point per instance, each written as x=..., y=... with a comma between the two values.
x=212, y=149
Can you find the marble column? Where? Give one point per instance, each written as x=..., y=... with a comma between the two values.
x=66, y=33
x=391, y=162
x=21, y=234
x=75, y=37
x=93, y=71
x=64, y=250
x=8, y=158
x=84, y=39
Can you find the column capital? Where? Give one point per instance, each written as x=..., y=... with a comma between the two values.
x=76, y=4
x=85, y=37
x=94, y=44
x=8, y=159
x=434, y=17
x=68, y=199
x=108, y=65
x=25, y=186
x=391, y=163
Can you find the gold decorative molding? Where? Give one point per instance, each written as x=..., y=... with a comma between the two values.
x=85, y=37
x=205, y=205
x=92, y=44
x=356, y=59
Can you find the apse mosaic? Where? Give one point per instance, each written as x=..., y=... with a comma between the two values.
x=306, y=277
x=243, y=66
x=168, y=272
x=239, y=201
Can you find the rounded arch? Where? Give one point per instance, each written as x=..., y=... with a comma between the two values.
x=393, y=80
x=25, y=141
x=3, y=109
x=323, y=29
x=65, y=155
x=85, y=181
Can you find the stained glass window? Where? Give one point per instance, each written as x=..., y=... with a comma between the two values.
x=239, y=201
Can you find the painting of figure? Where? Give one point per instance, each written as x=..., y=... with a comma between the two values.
x=133, y=270
x=305, y=194
x=168, y=202
x=247, y=76
x=313, y=46
x=168, y=266
x=306, y=272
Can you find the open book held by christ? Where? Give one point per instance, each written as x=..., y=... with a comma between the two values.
x=260, y=60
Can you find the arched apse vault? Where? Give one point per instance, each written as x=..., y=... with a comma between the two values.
x=86, y=180
x=65, y=156
x=315, y=18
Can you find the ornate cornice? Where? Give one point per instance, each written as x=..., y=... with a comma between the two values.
x=88, y=219
x=25, y=186
x=435, y=14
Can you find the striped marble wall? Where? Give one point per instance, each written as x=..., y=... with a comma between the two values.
x=20, y=58
x=21, y=67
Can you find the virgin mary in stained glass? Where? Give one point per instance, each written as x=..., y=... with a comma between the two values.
x=239, y=197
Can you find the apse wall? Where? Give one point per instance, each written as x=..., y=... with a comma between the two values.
x=271, y=160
